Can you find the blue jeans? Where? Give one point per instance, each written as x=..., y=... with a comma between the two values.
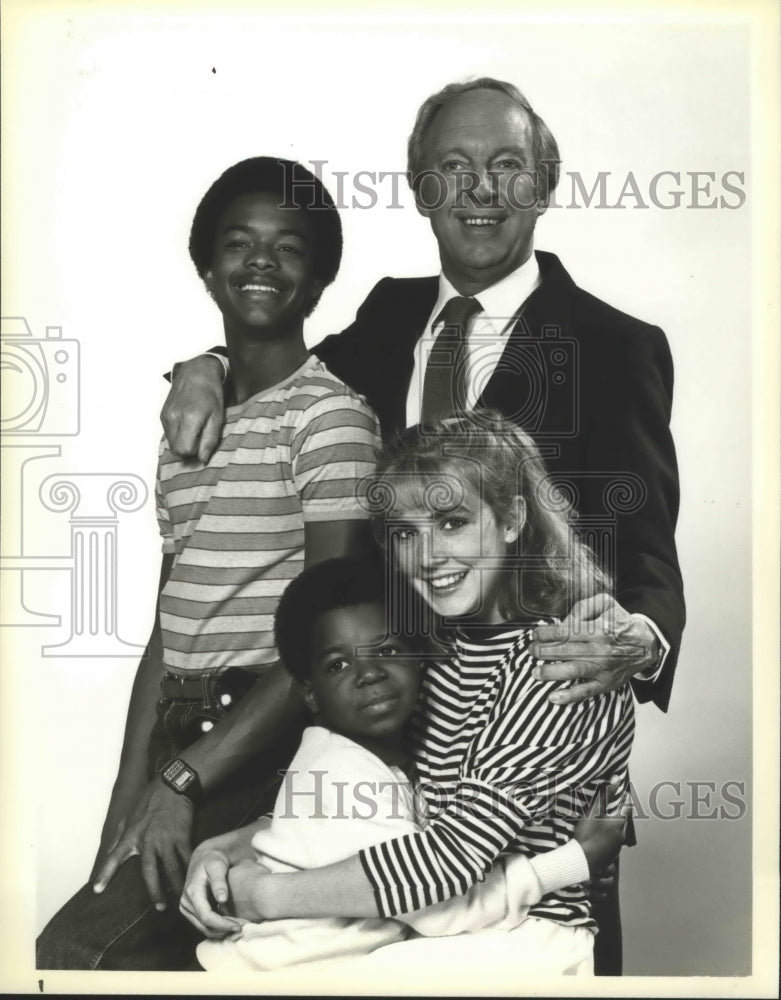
x=120, y=928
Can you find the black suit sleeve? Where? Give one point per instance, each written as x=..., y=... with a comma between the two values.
x=220, y=349
x=630, y=439
x=345, y=353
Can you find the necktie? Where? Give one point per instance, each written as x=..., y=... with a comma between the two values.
x=444, y=384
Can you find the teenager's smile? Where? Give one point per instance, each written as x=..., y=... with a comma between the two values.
x=255, y=287
x=454, y=558
x=454, y=588
x=262, y=272
x=446, y=583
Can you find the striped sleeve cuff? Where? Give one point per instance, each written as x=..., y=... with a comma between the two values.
x=397, y=872
x=566, y=865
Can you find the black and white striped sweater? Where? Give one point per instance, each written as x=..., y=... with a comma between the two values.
x=500, y=770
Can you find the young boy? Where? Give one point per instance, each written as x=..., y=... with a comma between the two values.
x=347, y=788
x=278, y=494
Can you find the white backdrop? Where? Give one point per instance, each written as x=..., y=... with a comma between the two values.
x=118, y=119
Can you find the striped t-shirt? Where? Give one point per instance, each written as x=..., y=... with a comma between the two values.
x=500, y=770
x=290, y=454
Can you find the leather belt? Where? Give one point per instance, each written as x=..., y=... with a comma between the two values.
x=208, y=688
x=174, y=687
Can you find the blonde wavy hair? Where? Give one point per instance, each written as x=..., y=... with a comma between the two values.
x=427, y=466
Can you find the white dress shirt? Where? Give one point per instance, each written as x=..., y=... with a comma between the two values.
x=487, y=335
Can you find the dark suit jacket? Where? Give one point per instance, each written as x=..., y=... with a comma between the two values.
x=594, y=387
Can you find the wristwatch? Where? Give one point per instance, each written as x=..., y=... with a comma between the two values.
x=182, y=779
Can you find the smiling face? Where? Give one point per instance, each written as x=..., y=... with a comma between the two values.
x=453, y=552
x=482, y=204
x=262, y=270
x=360, y=684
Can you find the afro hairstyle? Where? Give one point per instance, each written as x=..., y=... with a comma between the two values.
x=296, y=187
x=327, y=586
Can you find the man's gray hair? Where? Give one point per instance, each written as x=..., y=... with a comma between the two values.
x=544, y=146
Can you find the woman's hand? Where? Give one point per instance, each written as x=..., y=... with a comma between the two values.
x=249, y=884
x=601, y=835
x=205, y=896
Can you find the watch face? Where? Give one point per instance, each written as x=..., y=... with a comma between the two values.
x=183, y=779
x=178, y=775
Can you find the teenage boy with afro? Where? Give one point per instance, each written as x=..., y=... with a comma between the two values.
x=213, y=715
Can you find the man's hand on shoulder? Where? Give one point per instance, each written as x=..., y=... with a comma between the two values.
x=194, y=410
x=159, y=830
x=599, y=645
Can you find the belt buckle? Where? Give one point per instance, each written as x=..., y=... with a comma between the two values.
x=172, y=686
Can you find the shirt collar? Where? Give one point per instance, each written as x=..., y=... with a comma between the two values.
x=502, y=299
